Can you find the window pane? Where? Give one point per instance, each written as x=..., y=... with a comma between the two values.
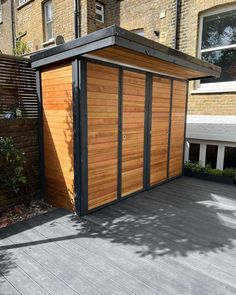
x=226, y=59
x=194, y=150
x=219, y=29
x=230, y=157
x=99, y=17
x=48, y=12
x=211, y=155
x=49, y=31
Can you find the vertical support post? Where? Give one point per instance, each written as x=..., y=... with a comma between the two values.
x=185, y=125
x=40, y=133
x=83, y=137
x=120, y=130
x=186, y=152
x=75, y=92
x=147, y=131
x=202, y=154
x=170, y=123
x=220, y=157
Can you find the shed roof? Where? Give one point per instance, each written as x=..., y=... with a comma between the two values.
x=120, y=46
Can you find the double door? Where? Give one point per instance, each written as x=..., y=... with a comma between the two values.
x=135, y=131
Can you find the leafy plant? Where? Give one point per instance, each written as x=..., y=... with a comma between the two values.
x=229, y=172
x=216, y=172
x=21, y=48
x=12, y=163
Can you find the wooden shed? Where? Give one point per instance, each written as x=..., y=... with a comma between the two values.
x=112, y=116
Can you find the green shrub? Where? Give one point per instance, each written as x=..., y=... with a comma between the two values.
x=12, y=163
x=216, y=172
x=229, y=172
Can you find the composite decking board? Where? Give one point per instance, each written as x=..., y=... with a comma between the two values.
x=58, y=256
x=148, y=247
x=7, y=288
x=41, y=275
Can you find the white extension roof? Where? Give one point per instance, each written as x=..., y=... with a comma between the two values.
x=217, y=128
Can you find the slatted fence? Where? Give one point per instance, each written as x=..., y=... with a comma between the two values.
x=17, y=86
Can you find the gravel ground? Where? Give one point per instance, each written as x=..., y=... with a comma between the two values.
x=23, y=211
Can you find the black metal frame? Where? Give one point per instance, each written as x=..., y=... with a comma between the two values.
x=185, y=124
x=83, y=137
x=76, y=132
x=170, y=124
x=148, y=127
x=40, y=134
x=120, y=131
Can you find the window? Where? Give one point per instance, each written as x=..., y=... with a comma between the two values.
x=138, y=32
x=211, y=155
x=48, y=20
x=230, y=157
x=218, y=45
x=194, y=151
x=100, y=12
x=0, y=11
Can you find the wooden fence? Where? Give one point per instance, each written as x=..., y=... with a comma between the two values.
x=17, y=86
x=18, y=90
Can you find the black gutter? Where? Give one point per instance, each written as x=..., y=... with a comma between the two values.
x=176, y=25
x=76, y=13
x=13, y=29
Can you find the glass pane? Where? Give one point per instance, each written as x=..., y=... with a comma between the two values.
x=211, y=155
x=48, y=11
x=230, y=157
x=226, y=59
x=49, y=31
x=219, y=29
x=98, y=7
x=194, y=150
x=99, y=17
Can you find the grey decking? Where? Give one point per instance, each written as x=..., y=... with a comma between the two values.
x=179, y=238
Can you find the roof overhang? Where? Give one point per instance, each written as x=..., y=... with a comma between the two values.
x=120, y=46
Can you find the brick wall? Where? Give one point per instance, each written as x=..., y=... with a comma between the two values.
x=25, y=136
x=5, y=28
x=29, y=19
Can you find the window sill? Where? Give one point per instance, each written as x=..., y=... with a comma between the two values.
x=49, y=42
x=24, y=4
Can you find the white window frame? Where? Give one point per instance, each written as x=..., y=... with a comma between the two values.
x=216, y=87
x=21, y=2
x=0, y=11
x=100, y=12
x=45, y=23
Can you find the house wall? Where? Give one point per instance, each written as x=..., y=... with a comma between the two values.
x=29, y=19
x=5, y=28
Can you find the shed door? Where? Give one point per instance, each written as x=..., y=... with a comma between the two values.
x=133, y=132
x=102, y=105
x=159, y=129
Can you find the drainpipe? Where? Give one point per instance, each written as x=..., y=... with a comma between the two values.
x=13, y=27
x=76, y=13
x=176, y=24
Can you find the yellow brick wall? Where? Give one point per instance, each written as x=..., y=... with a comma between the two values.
x=204, y=104
x=29, y=18
x=5, y=28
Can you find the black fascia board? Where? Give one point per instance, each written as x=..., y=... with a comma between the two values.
x=115, y=35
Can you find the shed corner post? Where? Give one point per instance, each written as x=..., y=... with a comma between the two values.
x=79, y=75
x=185, y=124
x=147, y=130
x=40, y=133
